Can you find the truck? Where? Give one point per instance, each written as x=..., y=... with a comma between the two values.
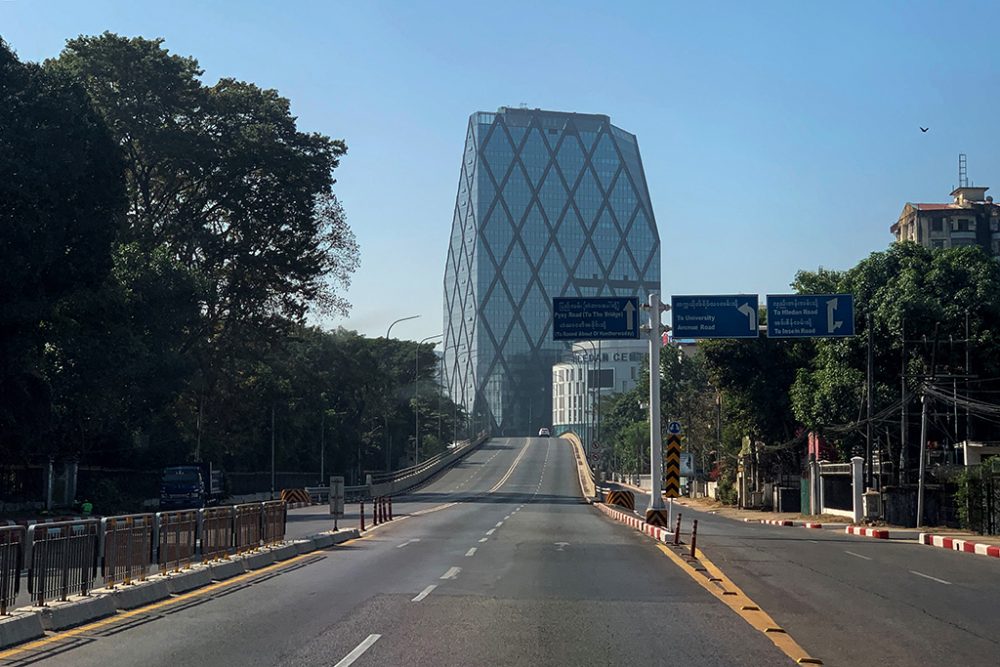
x=191, y=486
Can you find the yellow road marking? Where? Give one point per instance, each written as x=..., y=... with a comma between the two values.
x=45, y=641
x=723, y=588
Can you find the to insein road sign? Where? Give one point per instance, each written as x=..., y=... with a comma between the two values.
x=595, y=318
x=714, y=316
x=810, y=315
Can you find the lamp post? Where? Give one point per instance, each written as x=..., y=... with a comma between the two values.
x=385, y=417
x=416, y=398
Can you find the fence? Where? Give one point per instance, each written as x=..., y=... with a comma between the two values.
x=126, y=549
x=273, y=516
x=11, y=562
x=63, y=559
x=247, y=526
x=216, y=531
x=176, y=534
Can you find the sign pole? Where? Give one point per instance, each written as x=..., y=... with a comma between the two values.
x=655, y=442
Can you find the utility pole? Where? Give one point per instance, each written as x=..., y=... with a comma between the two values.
x=322, y=446
x=923, y=456
x=904, y=419
x=869, y=446
x=967, y=372
x=272, y=451
x=656, y=511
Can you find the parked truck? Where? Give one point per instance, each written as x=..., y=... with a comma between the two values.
x=191, y=486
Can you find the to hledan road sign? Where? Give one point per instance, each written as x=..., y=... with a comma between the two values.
x=810, y=315
x=595, y=318
x=714, y=316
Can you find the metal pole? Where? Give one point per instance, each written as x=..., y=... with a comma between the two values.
x=923, y=456
x=871, y=403
x=967, y=341
x=272, y=451
x=903, y=423
x=322, y=445
x=416, y=398
x=655, y=444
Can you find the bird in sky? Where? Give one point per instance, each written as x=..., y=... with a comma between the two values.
x=924, y=129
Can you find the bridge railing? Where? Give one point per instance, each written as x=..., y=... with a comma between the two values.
x=62, y=560
x=176, y=539
x=126, y=548
x=387, y=484
x=12, y=544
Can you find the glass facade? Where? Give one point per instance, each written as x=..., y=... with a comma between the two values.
x=549, y=204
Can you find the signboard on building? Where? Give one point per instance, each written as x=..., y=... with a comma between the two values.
x=595, y=318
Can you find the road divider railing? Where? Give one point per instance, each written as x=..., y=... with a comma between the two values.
x=176, y=539
x=215, y=532
x=247, y=529
x=386, y=484
x=62, y=560
x=12, y=540
x=126, y=548
x=273, y=517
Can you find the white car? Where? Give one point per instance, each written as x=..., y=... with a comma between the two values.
x=543, y=432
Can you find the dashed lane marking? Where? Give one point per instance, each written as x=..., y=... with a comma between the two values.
x=927, y=576
x=451, y=573
x=358, y=651
x=400, y=546
x=491, y=531
x=471, y=552
x=484, y=539
x=424, y=593
x=851, y=553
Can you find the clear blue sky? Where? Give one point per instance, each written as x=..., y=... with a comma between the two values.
x=776, y=136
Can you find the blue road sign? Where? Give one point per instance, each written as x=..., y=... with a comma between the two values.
x=810, y=315
x=719, y=316
x=595, y=318
x=674, y=428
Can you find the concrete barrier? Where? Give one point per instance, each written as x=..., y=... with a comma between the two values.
x=284, y=552
x=342, y=536
x=188, y=580
x=305, y=546
x=323, y=540
x=20, y=627
x=74, y=611
x=136, y=595
x=258, y=559
x=227, y=569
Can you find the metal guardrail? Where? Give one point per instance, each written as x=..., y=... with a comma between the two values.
x=62, y=560
x=215, y=531
x=126, y=548
x=404, y=473
x=273, y=515
x=247, y=526
x=12, y=539
x=175, y=539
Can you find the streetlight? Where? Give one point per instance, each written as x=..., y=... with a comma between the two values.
x=385, y=418
x=416, y=398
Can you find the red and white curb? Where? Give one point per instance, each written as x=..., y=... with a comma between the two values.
x=785, y=522
x=861, y=531
x=960, y=545
x=655, y=532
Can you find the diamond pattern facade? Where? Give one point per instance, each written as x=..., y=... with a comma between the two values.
x=549, y=204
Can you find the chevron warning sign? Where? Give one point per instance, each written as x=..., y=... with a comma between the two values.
x=624, y=499
x=672, y=467
x=659, y=518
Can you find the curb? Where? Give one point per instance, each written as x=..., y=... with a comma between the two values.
x=76, y=611
x=19, y=627
x=861, y=531
x=785, y=522
x=965, y=546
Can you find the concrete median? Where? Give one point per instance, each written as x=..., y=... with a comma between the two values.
x=74, y=611
x=258, y=559
x=188, y=580
x=19, y=627
x=130, y=596
x=227, y=569
x=284, y=552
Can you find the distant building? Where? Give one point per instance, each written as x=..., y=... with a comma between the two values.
x=970, y=219
x=598, y=369
x=549, y=204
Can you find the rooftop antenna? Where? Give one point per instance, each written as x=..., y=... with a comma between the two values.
x=963, y=173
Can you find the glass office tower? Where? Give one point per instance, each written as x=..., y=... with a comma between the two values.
x=549, y=204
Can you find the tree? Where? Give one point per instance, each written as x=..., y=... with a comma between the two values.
x=61, y=204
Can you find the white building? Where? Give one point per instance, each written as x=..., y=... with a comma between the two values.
x=596, y=369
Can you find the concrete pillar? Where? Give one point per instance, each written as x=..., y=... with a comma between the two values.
x=814, y=506
x=857, y=486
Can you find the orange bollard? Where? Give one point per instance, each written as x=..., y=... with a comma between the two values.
x=362, y=515
x=677, y=530
x=694, y=539
x=390, y=508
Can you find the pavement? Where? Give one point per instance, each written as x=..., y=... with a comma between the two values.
x=496, y=562
x=856, y=600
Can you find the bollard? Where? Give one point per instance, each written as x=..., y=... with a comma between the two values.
x=381, y=514
x=694, y=539
x=390, y=508
x=362, y=515
x=385, y=512
x=376, y=513
x=677, y=530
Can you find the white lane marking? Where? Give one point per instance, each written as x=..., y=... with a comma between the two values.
x=491, y=531
x=506, y=517
x=451, y=573
x=357, y=652
x=400, y=546
x=927, y=576
x=814, y=541
x=857, y=555
x=424, y=593
x=484, y=539
x=471, y=552
x=499, y=523
x=561, y=545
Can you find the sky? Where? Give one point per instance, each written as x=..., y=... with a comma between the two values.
x=775, y=136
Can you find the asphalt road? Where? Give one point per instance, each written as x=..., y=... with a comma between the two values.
x=497, y=562
x=860, y=601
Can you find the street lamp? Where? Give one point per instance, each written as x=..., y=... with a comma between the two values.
x=416, y=398
x=385, y=418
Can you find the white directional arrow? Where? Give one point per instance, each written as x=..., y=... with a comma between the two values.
x=831, y=324
x=751, y=314
x=561, y=545
x=629, y=312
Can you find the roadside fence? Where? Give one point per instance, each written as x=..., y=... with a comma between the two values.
x=175, y=542
x=63, y=559
x=215, y=528
x=273, y=515
x=11, y=562
x=247, y=526
x=126, y=548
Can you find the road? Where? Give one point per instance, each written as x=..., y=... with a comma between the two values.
x=860, y=601
x=497, y=562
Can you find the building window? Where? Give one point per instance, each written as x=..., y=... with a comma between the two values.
x=937, y=243
x=936, y=226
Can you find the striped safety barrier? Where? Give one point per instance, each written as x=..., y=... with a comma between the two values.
x=862, y=531
x=957, y=544
x=624, y=499
x=295, y=496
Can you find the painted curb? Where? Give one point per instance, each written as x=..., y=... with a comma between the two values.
x=20, y=627
x=862, y=531
x=965, y=546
